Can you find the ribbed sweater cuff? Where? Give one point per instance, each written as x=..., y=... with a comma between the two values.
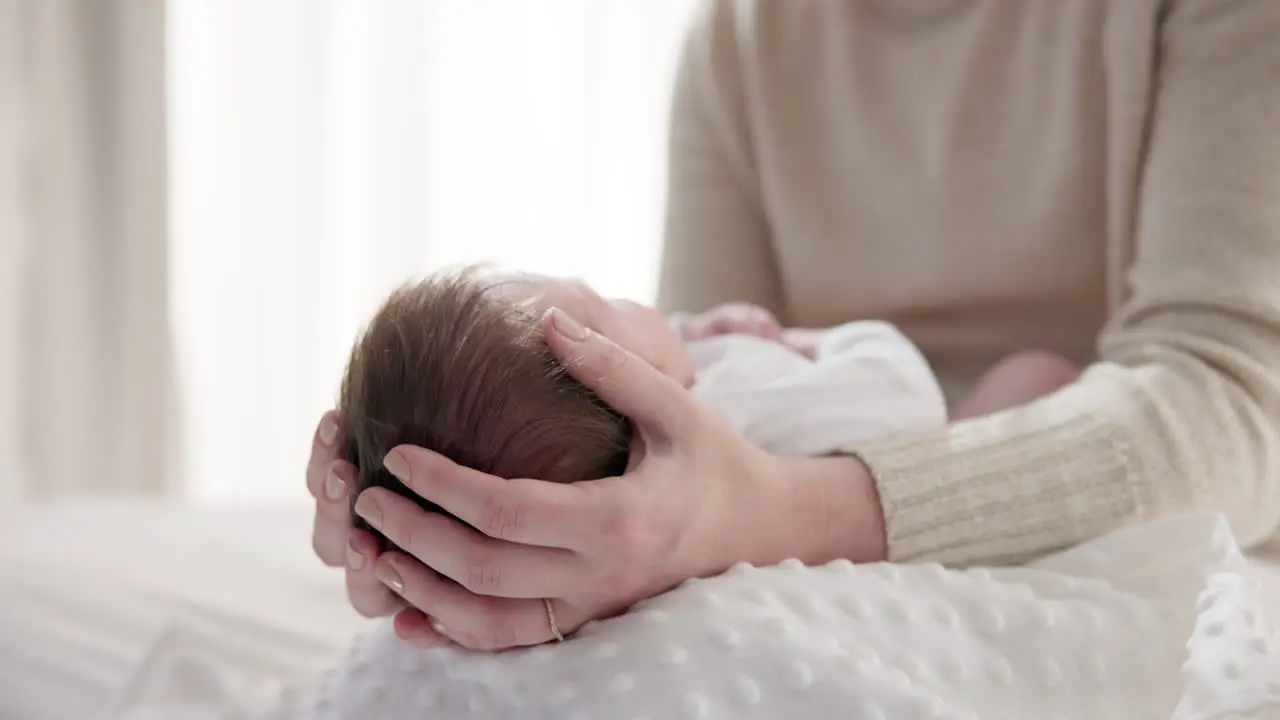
x=1002, y=489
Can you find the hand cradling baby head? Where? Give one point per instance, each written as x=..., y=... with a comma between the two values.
x=457, y=364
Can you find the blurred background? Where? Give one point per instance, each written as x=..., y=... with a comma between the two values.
x=201, y=201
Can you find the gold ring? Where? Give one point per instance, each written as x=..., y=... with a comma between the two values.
x=551, y=620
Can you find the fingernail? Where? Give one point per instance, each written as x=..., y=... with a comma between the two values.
x=334, y=488
x=438, y=626
x=396, y=464
x=369, y=510
x=390, y=578
x=567, y=326
x=355, y=560
x=328, y=430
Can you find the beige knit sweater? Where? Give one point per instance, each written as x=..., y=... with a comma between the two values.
x=1100, y=178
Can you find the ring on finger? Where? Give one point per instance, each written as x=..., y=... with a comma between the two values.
x=551, y=620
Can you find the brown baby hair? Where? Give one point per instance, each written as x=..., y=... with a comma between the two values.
x=452, y=365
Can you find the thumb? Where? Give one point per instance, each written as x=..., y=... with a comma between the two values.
x=656, y=404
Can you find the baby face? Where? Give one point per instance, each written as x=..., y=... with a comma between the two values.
x=640, y=330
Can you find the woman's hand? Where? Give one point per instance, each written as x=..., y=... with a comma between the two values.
x=640, y=329
x=697, y=499
x=329, y=479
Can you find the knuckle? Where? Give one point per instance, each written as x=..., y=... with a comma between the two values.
x=468, y=640
x=492, y=630
x=322, y=546
x=622, y=583
x=627, y=533
x=313, y=480
x=364, y=611
x=489, y=615
x=502, y=637
x=480, y=574
x=613, y=357
x=498, y=634
x=317, y=466
x=368, y=603
x=408, y=535
x=501, y=519
x=487, y=640
x=413, y=537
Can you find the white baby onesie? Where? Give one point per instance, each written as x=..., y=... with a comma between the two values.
x=867, y=380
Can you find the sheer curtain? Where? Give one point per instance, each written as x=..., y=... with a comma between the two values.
x=323, y=150
x=86, y=387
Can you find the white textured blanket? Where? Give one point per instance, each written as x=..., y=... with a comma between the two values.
x=1157, y=622
x=238, y=635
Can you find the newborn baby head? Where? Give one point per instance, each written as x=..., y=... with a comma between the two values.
x=457, y=365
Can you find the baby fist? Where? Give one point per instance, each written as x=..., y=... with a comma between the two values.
x=732, y=319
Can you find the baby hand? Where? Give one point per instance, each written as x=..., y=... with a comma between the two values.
x=731, y=319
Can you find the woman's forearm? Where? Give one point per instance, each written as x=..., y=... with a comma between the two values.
x=820, y=509
x=1123, y=445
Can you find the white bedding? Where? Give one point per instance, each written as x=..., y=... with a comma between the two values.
x=88, y=591
x=108, y=606
x=1154, y=623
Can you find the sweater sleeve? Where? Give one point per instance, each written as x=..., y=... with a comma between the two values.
x=717, y=244
x=1182, y=412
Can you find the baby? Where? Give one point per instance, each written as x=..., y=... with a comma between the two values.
x=456, y=363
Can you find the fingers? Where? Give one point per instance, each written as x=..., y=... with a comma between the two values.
x=474, y=621
x=326, y=446
x=529, y=512
x=416, y=627
x=480, y=564
x=329, y=537
x=328, y=480
x=368, y=595
x=540, y=292
x=659, y=406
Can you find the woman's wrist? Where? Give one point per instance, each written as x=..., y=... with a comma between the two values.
x=822, y=509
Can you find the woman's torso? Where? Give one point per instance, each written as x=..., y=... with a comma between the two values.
x=967, y=169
